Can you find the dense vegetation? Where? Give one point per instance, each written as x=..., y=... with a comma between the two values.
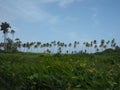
x=34, y=71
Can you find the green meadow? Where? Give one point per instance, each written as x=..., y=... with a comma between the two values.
x=35, y=71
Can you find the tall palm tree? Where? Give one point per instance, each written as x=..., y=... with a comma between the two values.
x=91, y=45
x=107, y=43
x=28, y=46
x=54, y=44
x=9, y=44
x=97, y=49
x=87, y=46
x=18, y=43
x=95, y=42
x=1, y=45
x=24, y=46
x=102, y=44
x=31, y=45
x=4, y=27
x=113, y=44
x=12, y=32
x=75, y=45
x=38, y=45
x=95, y=46
x=69, y=45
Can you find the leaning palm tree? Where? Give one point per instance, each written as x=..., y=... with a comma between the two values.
x=107, y=43
x=113, y=44
x=4, y=27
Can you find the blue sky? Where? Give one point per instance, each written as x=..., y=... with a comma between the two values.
x=62, y=20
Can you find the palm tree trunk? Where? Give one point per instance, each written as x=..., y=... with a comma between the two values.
x=5, y=43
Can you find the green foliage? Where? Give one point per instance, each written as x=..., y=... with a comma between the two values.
x=30, y=71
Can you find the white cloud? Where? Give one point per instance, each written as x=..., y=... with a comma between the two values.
x=25, y=10
x=30, y=10
x=61, y=3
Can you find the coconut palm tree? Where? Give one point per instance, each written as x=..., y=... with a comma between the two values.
x=53, y=44
x=4, y=27
x=87, y=46
x=12, y=32
x=91, y=46
x=31, y=45
x=69, y=45
x=107, y=43
x=97, y=49
x=105, y=46
x=24, y=46
x=95, y=46
x=38, y=45
x=9, y=44
x=95, y=42
x=113, y=44
x=18, y=43
x=102, y=44
x=27, y=45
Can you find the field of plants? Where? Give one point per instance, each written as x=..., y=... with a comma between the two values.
x=93, y=65
x=34, y=71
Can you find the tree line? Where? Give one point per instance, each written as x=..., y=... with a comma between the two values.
x=15, y=45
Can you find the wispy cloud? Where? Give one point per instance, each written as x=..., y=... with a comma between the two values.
x=61, y=3
x=30, y=10
x=24, y=10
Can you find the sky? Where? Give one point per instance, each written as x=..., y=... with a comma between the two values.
x=62, y=20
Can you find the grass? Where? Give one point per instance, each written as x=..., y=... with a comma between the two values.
x=33, y=71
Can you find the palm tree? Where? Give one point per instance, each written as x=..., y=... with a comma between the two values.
x=4, y=27
x=107, y=43
x=105, y=46
x=85, y=51
x=91, y=45
x=95, y=42
x=69, y=45
x=31, y=45
x=28, y=46
x=75, y=43
x=18, y=43
x=1, y=46
x=38, y=45
x=113, y=44
x=53, y=43
x=97, y=49
x=102, y=44
x=95, y=46
x=87, y=45
x=12, y=32
x=9, y=44
x=24, y=46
